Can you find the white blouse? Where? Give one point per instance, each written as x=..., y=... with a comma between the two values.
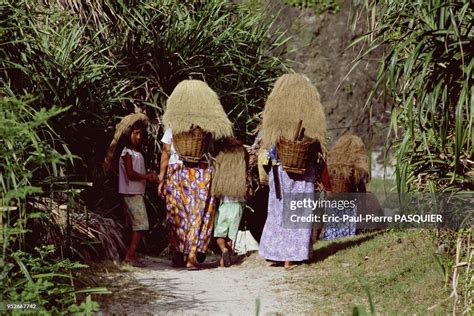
x=168, y=139
x=126, y=185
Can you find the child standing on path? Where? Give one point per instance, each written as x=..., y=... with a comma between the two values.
x=132, y=177
x=230, y=186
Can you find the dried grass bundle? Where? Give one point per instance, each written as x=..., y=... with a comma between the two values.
x=120, y=129
x=292, y=99
x=104, y=233
x=348, y=159
x=230, y=178
x=193, y=102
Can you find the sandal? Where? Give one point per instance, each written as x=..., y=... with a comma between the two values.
x=226, y=259
x=193, y=268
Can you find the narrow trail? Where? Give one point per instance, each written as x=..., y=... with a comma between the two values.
x=216, y=291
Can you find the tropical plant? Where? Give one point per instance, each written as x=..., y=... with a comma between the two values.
x=29, y=163
x=49, y=285
x=103, y=60
x=427, y=73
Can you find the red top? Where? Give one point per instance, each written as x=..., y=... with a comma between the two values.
x=325, y=179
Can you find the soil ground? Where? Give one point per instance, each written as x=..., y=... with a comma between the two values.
x=238, y=290
x=396, y=268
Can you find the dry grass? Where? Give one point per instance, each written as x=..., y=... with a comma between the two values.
x=91, y=234
x=194, y=103
x=293, y=98
x=230, y=177
x=120, y=129
x=348, y=159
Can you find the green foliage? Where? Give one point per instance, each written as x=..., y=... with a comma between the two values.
x=50, y=55
x=105, y=59
x=35, y=278
x=26, y=156
x=26, y=137
x=28, y=161
x=427, y=73
x=319, y=6
x=134, y=56
x=395, y=267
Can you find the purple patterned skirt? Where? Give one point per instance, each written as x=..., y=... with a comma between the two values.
x=286, y=244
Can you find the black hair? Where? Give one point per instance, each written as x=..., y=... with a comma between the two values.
x=125, y=139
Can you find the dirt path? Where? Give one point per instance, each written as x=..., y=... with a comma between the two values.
x=217, y=291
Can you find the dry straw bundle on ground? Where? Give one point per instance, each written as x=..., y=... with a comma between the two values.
x=194, y=103
x=92, y=233
x=230, y=178
x=348, y=162
x=292, y=99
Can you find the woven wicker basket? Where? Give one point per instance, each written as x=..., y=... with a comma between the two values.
x=340, y=184
x=293, y=155
x=192, y=145
x=262, y=160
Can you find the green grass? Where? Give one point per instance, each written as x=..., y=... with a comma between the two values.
x=398, y=268
x=319, y=6
x=381, y=185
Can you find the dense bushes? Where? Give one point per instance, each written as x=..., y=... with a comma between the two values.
x=28, y=166
x=69, y=71
x=104, y=60
x=427, y=73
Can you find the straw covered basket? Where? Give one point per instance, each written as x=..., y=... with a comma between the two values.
x=293, y=154
x=192, y=145
x=262, y=160
x=340, y=184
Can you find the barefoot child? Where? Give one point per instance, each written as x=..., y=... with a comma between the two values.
x=132, y=177
x=230, y=186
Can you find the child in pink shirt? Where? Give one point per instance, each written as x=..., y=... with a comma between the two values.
x=132, y=183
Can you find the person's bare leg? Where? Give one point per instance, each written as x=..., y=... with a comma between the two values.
x=131, y=256
x=229, y=245
x=223, y=247
x=191, y=260
x=289, y=265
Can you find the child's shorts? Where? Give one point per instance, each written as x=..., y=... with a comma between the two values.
x=136, y=208
x=228, y=220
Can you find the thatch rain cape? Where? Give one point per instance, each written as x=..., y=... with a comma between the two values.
x=230, y=177
x=194, y=103
x=120, y=129
x=348, y=161
x=191, y=207
x=293, y=98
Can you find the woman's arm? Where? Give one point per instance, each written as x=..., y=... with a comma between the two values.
x=165, y=157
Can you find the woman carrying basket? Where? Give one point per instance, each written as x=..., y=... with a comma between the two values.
x=349, y=172
x=292, y=100
x=194, y=119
